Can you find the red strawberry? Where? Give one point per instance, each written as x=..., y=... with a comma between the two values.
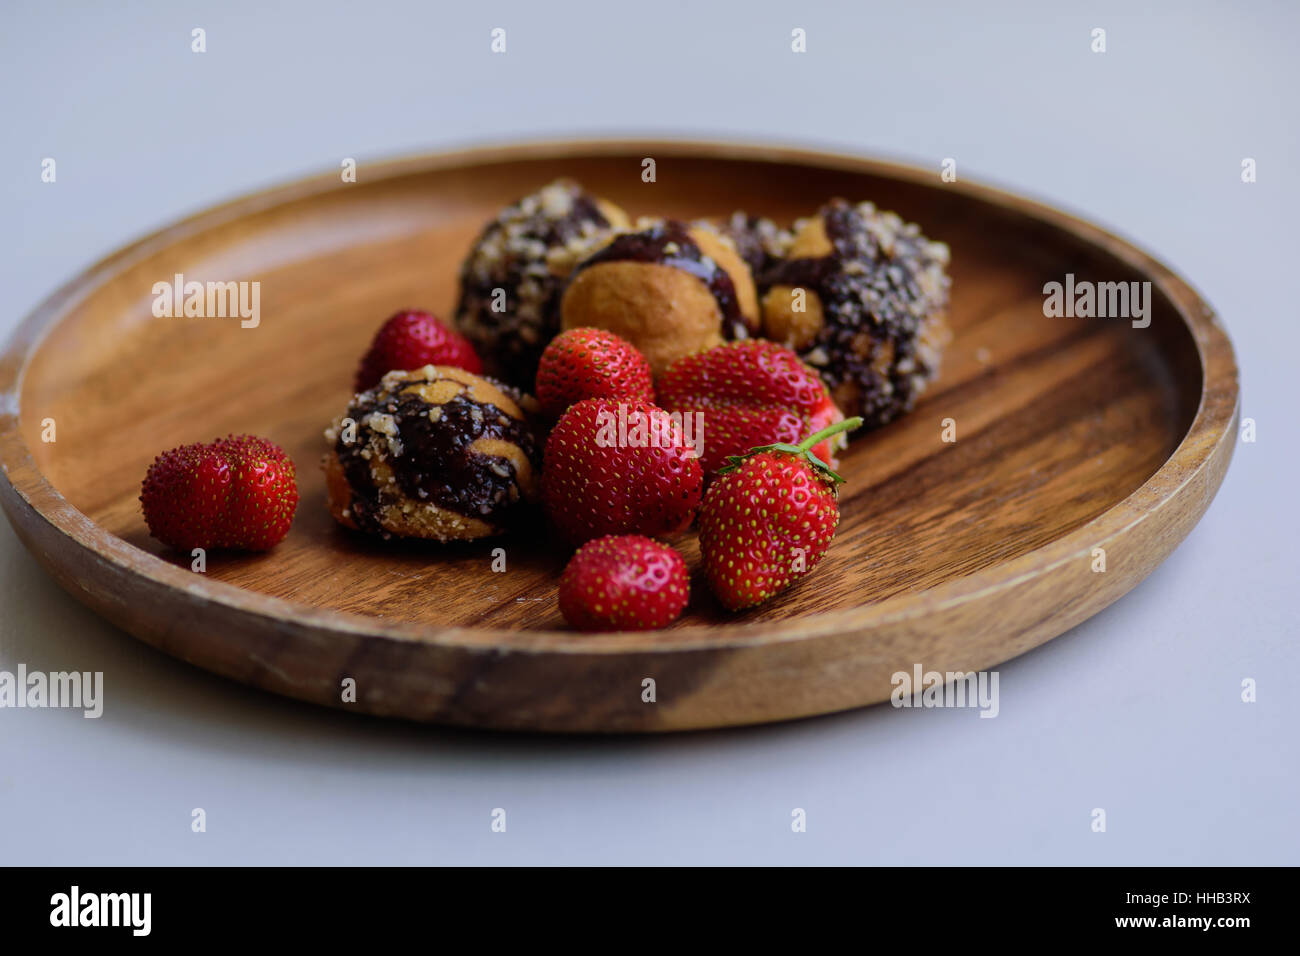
x=413, y=339
x=619, y=468
x=624, y=583
x=768, y=519
x=752, y=392
x=591, y=363
x=238, y=492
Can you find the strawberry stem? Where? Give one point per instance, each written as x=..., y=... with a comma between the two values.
x=847, y=424
x=803, y=449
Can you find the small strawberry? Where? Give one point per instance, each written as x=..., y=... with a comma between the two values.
x=768, y=518
x=619, y=468
x=624, y=583
x=751, y=392
x=237, y=492
x=413, y=339
x=591, y=363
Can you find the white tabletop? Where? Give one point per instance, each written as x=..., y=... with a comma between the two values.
x=1138, y=711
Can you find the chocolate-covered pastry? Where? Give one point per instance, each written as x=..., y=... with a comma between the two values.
x=437, y=452
x=670, y=289
x=759, y=241
x=527, y=252
x=862, y=297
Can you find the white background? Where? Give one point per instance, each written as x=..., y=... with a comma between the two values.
x=1137, y=711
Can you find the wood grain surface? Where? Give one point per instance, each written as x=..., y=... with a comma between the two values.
x=1072, y=433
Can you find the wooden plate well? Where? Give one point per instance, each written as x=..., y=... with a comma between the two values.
x=1072, y=434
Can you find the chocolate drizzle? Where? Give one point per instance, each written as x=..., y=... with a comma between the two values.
x=436, y=463
x=758, y=240
x=874, y=304
x=569, y=226
x=365, y=496
x=670, y=244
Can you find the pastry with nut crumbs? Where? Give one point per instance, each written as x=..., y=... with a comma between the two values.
x=862, y=297
x=437, y=452
x=670, y=289
x=759, y=241
x=512, y=279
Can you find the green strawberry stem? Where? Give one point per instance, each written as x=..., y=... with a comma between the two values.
x=803, y=450
x=847, y=424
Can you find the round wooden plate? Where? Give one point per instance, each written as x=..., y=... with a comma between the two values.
x=1073, y=434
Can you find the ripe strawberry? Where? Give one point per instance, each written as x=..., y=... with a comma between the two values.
x=238, y=492
x=619, y=468
x=413, y=339
x=624, y=583
x=752, y=392
x=591, y=363
x=768, y=518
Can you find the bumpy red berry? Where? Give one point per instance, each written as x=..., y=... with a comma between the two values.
x=624, y=583
x=237, y=492
x=752, y=392
x=619, y=468
x=591, y=363
x=413, y=339
x=768, y=519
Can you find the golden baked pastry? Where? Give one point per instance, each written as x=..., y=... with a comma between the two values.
x=670, y=289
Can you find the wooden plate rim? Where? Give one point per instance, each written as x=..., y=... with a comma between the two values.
x=1207, y=440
